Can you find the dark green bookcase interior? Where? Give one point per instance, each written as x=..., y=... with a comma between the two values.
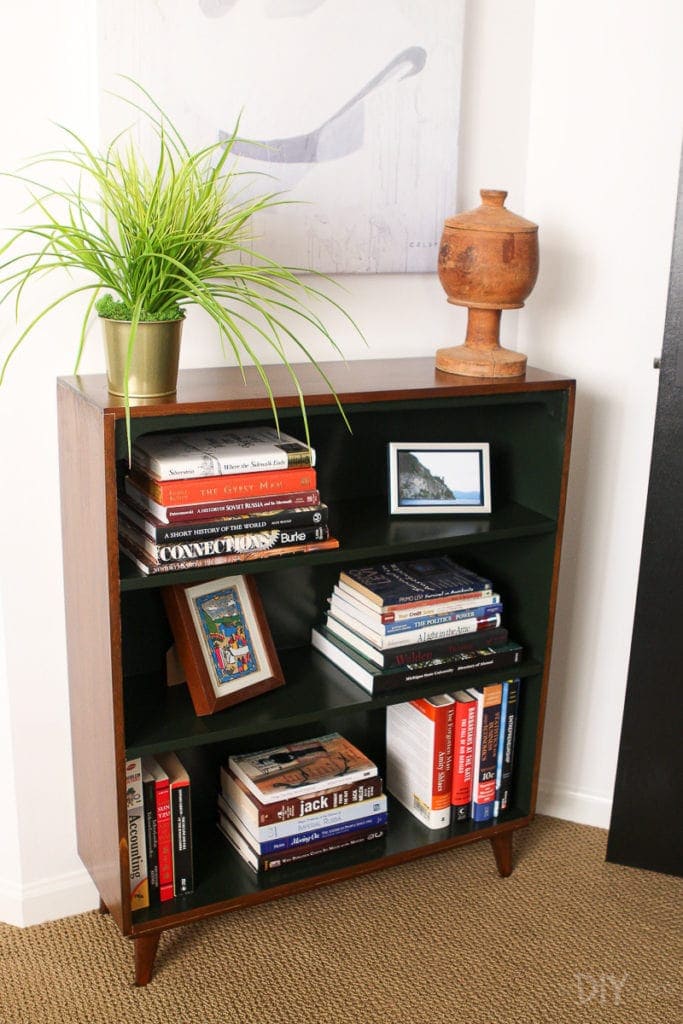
x=514, y=546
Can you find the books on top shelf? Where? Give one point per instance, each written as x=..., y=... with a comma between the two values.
x=195, y=499
x=160, y=831
x=292, y=802
x=221, y=451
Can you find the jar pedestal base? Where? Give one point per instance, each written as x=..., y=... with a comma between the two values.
x=471, y=362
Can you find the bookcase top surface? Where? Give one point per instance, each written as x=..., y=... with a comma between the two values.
x=358, y=381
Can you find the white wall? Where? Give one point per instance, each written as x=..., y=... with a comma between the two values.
x=573, y=109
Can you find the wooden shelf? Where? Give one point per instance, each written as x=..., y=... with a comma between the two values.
x=118, y=632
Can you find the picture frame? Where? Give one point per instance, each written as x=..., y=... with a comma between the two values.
x=223, y=641
x=439, y=478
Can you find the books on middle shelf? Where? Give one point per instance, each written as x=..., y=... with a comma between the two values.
x=195, y=499
x=437, y=620
x=158, y=795
x=450, y=757
x=292, y=802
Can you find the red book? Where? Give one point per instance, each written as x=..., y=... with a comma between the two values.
x=217, y=488
x=464, y=731
x=164, y=833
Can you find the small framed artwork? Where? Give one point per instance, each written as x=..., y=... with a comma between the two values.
x=445, y=478
x=223, y=642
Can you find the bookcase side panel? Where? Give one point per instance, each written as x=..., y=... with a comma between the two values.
x=91, y=590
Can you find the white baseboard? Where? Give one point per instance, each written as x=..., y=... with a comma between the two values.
x=573, y=805
x=47, y=900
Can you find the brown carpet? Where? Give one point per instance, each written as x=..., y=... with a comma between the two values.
x=567, y=938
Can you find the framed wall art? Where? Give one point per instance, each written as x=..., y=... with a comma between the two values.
x=223, y=642
x=439, y=477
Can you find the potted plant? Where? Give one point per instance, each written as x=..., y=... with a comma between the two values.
x=149, y=239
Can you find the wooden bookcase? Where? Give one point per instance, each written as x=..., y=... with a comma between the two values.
x=118, y=633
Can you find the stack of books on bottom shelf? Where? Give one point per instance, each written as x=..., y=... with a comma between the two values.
x=200, y=498
x=293, y=802
x=408, y=623
x=159, y=829
x=450, y=757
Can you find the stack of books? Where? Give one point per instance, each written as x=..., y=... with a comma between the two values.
x=158, y=797
x=293, y=802
x=212, y=497
x=407, y=623
x=450, y=757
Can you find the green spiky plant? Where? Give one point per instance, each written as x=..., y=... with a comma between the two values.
x=155, y=239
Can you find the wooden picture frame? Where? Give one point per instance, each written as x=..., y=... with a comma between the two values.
x=439, y=478
x=223, y=641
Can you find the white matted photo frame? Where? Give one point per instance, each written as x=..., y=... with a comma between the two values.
x=444, y=478
x=223, y=642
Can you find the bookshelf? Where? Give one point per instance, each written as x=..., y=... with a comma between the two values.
x=118, y=633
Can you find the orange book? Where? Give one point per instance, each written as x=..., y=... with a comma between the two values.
x=239, y=485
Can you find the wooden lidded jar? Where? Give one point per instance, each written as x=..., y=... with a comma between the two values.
x=488, y=261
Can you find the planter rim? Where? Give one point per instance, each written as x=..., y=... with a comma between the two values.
x=114, y=320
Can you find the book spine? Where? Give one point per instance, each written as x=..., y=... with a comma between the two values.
x=426, y=606
x=258, y=815
x=297, y=826
x=510, y=730
x=168, y=533
x=183, y=881
x=261, y=540
x=149, y=567
x=408, y=625
x=212, y=510
x=151, y=837
x=300, y=840
x=486, y=753
x=463, y=757
x=165, y=839
x=221, y=488
x=471, y=624
x=445, y=607
x=396, y=584
x=137, y=852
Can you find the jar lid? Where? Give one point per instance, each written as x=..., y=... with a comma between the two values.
x=491, y=215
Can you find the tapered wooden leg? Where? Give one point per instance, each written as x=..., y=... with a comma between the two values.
x=103, y=908
x=502, y=851
x=145, y=952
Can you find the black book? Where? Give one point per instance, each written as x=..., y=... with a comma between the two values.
x=151, y=835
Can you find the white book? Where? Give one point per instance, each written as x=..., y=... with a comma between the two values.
x=185, y=455
x=137, y=845
x=419, y=743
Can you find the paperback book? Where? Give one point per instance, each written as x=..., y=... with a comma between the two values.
x=419, y=743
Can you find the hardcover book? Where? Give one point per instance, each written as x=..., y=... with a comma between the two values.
x=414, y=580
x=464, y=730
x=188, y=454
x=222, y=488
x=509, y=733
x=419, y=742
x=159, y=532
x=150, y=566
x=151, y=833
x=489, y=700
x=413, y=653
x=321, y=763
x=256, y=814
x=444, y=669
x=163, y=826
x=414, y=636
x=207, y=510
x=181, y=823
x=137, y=849
x=289, y=836
x=269, y=861
x=225, y=544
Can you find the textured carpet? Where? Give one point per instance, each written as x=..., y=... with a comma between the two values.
x=567, y=938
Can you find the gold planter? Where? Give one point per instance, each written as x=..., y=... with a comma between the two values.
x=154, y=362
